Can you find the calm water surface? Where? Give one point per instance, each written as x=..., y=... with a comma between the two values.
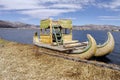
x=26, y=35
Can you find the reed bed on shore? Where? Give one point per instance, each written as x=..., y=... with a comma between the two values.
x=20, y=62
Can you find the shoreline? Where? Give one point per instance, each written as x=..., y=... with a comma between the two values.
x=21, y=28
x=21, y=61
x=73, y=29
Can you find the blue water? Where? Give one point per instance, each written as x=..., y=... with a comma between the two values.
x=26, y=35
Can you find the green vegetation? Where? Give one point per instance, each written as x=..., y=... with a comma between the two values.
x=3, y=42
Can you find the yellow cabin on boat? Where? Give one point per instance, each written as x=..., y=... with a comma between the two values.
x=57, y=35
x=55, y=32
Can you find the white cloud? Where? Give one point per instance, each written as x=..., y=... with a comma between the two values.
x=20, y=4
x=109, y=17
x=43, y=8
x=51, y=8
x=45, y=13
x=114, y=5
x=68, y=6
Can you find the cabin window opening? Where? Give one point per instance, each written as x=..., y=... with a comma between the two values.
x=45, y=31
x=66, y=31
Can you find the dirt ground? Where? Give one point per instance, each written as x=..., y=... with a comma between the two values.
x=20, y=62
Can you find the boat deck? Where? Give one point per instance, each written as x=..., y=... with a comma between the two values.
x=60, y=47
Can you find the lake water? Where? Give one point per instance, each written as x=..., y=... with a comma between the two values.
x=26, y=36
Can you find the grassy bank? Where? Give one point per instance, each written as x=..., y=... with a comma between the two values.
x=20, y=62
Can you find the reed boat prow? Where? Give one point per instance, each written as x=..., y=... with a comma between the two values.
x=89, y=51
x=107, y=47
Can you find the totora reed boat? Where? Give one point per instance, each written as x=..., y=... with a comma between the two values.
x=57, y=35
x=107, y=47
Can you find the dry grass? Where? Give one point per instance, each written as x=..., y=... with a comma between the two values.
x=19, y=62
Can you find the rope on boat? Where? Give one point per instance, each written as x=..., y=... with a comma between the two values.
x=114, y=67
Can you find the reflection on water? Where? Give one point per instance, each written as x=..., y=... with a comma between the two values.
x=26, y=36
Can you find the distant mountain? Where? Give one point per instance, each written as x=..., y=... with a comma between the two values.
x=8, y=24
x=98, y=27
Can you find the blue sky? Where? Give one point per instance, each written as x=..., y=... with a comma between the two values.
x=81, y=12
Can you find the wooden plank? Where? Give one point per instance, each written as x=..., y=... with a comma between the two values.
x=49, y=46
x=81, y=47
x=74, y=45
x=85, y=42
x=69, y=42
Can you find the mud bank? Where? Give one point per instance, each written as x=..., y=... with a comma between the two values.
x=20, y=62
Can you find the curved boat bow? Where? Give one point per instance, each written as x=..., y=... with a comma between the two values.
x=87, y=52
x=107, y=47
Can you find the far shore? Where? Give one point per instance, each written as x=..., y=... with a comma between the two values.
x=19, y=28
x=73, y=29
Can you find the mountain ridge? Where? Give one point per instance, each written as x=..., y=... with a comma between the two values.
x=97, y=27
x=8, y=24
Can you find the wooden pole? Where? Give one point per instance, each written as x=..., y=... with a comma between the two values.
x=51, y=40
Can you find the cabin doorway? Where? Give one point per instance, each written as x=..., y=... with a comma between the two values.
x=57, y=34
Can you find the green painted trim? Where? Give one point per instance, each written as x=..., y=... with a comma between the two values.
x=87, y=48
